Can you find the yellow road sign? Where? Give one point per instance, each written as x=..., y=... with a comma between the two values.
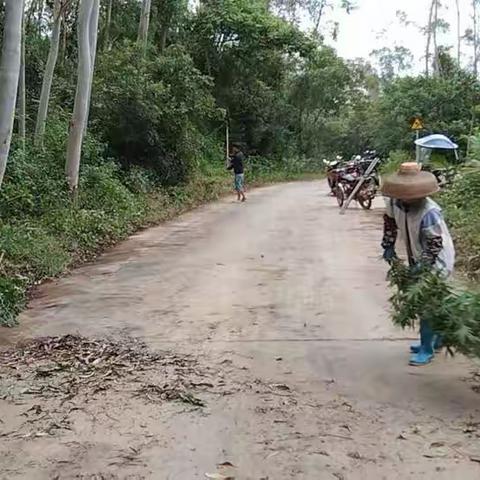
x=417, y=124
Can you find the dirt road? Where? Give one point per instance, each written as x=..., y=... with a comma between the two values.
x=284, y=303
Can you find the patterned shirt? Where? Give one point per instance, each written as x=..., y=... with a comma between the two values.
x=425, y=232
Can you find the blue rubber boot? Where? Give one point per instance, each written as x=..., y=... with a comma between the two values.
x=426, y=352
x=437, y=345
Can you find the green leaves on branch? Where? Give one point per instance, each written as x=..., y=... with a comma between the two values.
x=453, y=314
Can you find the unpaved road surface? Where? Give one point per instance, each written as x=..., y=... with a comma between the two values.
x=283, y=304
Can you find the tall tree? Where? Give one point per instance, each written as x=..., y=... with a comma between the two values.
x=93, y=36
x=108, y=23
x=22, y=92
x=49, y=72
x=9, y=74
x=315, y=9
x=436, y=60
x=459, y=32
x=144, y=23
x=475, y=36
x=393, y=61
x=168, y=13
x=86, y=42
x=428, y=32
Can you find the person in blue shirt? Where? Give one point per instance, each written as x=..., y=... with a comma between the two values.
x=419, y=221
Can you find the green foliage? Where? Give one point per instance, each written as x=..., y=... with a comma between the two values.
x=393, y=61
x=461, y=203
x=318, y=94
x=150, y=112
x=12, y=299
x=395, y=159
x=444, y=103
x=251, y=55
x=455, y=315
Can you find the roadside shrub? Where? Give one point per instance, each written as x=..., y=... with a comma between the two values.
x=462, y=209
x=12, y=299
x=31, y=250
x=395, y=159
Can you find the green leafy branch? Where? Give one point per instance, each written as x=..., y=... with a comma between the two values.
x=453, y=314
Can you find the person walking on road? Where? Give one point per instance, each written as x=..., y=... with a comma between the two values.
x=237, y=161
x=410, y=211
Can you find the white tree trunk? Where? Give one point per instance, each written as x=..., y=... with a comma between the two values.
x=429, y=38
x=144, y=23
x=475, y=39
x=77, y=124
x=49, y=72
x=436, y=58
x=9, y=73
x=92, y=40
x=459, y=33
x=22, y=94
x=41, y=6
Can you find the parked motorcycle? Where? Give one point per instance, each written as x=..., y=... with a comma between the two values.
x=348, y=179
x=333, y=168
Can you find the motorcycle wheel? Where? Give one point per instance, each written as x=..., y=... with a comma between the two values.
x=365, y=203
x=340, y=196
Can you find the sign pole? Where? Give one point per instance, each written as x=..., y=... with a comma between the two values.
x=417, y=148
x=227, y=144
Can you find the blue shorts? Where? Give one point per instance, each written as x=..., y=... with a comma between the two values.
x=239, y=181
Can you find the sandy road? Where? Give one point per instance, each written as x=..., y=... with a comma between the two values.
x=289, y=301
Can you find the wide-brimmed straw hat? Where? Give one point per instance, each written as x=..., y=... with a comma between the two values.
x=410, y=183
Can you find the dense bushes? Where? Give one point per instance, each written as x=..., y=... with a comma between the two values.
x=462, y=208
x=152, y=112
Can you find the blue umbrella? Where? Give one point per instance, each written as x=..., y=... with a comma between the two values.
x=436, y=141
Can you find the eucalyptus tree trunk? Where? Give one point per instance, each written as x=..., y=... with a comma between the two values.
x=319, y=15
x=475, y=38
x=82, y=97
x=40, y=7
x=459, y=33
x=436, y=58
x=92, y=40
x=163, y=37
x=48, y=75
x=108, y=24
x=22, y=94
x=9, y=74
x=144, y=23
x=429, y=38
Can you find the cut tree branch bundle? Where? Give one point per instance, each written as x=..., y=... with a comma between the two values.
x=454, y=314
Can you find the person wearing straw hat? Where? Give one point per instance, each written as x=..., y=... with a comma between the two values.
x=411, y=212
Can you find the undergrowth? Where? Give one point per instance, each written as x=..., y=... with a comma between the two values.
x=461, y=203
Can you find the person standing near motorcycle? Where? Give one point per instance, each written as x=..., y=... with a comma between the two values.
x=410, y=211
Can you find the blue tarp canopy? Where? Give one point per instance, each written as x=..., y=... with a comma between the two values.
x=436, y=141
